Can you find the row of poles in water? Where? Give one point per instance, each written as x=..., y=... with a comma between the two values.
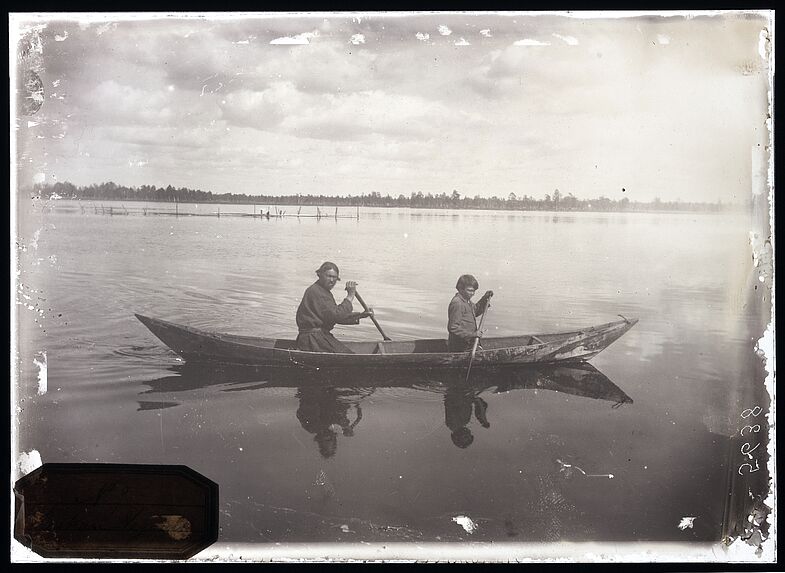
x=277, y=214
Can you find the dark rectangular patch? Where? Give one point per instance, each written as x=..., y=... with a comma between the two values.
x=121, y=511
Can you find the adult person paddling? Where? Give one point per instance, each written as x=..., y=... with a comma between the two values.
x=318, y=313
x=462, y=313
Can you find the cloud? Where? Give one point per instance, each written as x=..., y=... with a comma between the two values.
x=569, y=40
x=307, y=68
x=158, y=136
x=529, y=42
x=112, y=103
x=304, y=38
x=361, y=114
x=262, y=109
x=210, y=100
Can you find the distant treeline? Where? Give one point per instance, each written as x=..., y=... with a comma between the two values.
x=555, y=201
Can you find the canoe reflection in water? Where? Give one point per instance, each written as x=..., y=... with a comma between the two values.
x=330, y=401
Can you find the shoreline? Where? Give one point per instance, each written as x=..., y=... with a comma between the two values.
x=731, y=209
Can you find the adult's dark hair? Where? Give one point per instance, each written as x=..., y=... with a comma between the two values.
x=326, y=266
x=462, y=437
x=466, y=280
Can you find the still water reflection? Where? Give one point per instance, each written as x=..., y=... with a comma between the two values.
x=329, y=404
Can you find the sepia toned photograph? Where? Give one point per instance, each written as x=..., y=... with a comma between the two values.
x=423, y=286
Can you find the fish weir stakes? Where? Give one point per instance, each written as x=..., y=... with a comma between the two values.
x=147, y=211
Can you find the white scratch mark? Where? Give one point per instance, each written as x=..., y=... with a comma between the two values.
x=357, y=39
x=663, y=40
x=486, y=32
x=242, y=42
x=569, y=40
x=422, y=36
x=42, y=375
x=55, y=83
x=299, y=39
x=567, y=470
x=59, y=38
x=530, y=42
x=29, y=462
x=763, y=44
x=462, y=42
x=33, y=123
x=686, y=522
x=105, y=28
x=444, y=30
x=466, y=523
x=34, y=241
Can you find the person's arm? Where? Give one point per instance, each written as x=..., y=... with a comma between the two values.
x=353, y=317
x=348, y=317
x=482, y=304
x=340, y=313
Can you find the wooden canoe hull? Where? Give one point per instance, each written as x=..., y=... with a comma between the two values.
x=201, y=346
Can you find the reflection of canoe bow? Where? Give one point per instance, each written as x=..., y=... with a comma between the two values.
x=201, y=346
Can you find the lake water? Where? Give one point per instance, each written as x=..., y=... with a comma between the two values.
x=372, y=457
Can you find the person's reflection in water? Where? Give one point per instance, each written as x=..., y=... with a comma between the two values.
x=458, y=403
x=324, y=412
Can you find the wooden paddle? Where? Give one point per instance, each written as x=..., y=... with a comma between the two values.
x=477, y=340
x=373, y=318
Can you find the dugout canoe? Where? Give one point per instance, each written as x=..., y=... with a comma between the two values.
x=195, y=345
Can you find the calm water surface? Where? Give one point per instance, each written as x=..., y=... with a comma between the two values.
x=396, y=456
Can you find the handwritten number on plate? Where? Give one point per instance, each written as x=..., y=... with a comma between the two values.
x=755, y=428
x=757, y=467
x=747, y=453
x=752, y=412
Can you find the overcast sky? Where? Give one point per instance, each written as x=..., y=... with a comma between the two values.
x=485, y=104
